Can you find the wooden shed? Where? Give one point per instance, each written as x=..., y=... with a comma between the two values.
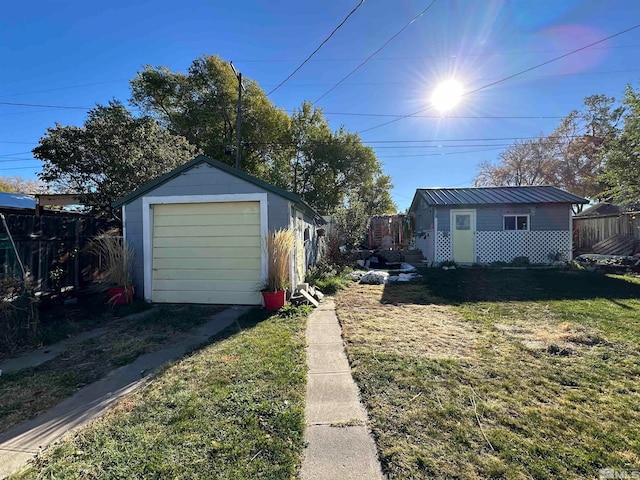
x=197, y=233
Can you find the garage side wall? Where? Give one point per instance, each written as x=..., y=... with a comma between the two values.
x=200, y=180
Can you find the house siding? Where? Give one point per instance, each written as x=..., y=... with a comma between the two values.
x=543, y=217
x=199, y=180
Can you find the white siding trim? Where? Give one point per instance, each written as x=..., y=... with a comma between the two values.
x=435, y=236
x=570, y=254
x=147, y=225
x=124, y=223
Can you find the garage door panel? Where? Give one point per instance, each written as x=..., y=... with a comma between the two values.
x=207, y=285
x=207, y=263
x=205, y=252
x=214, y=298
x=207, y=219
x=205, y=274
x=177, y=241
x=208, y=231
x=206, y=208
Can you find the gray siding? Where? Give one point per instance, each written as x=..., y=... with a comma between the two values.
x=444, y=218
x=542, y=216
x=200, y=180
x=424, y=218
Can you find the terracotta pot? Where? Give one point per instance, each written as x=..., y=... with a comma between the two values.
x=274, y=300
x=121, y=295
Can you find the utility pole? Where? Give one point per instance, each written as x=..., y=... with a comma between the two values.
x=239, y=115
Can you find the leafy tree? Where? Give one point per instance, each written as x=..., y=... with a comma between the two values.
x=112, y=154
x=528, y=162
x=571, y=157
x=622, y=165
x=201, y=106
x=18, y=184
x=299, y=153
x=330, y=169
x=582, y=140
x=351, y=224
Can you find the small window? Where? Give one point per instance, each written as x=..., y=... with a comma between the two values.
x=463, y=222
x=516, y=222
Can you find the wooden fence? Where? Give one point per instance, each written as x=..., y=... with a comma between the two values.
x=588, y=231
x=52, y=249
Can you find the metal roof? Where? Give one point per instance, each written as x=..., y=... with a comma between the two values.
x=498, y=195
x=17, y=200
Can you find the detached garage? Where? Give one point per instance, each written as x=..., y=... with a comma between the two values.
x=197, y=234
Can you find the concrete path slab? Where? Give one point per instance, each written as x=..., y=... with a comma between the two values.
x=340, y=453
x=44, y=354
x=17, y=446
x=49, y=352
x=327, y=358
x=333, y=398
x=339, y=444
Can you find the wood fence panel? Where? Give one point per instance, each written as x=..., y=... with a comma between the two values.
x=589, y=231
x=53, y=249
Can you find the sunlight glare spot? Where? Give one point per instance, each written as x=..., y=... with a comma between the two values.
x=447, y=95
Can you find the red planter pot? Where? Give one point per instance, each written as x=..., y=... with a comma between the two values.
x=121, y=295
x=274, y=300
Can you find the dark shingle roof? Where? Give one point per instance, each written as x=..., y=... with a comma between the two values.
x=497, y=195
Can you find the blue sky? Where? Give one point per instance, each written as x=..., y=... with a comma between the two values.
x=76, y=53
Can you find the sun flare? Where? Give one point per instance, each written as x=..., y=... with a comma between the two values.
x=447, y=95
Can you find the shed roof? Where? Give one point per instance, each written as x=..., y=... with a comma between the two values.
x=497, y=195
x=155, y=183
x=602, y=209
x=17, y=200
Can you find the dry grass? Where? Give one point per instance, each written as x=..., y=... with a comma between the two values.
x=430, y=330
x=116, y=257
x=481, y=374
x=279, y=245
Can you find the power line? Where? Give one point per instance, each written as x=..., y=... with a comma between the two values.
x=552, y=75
x=319, y=47
x=65, y=88
x=448, y=117
x=414, y=19
x=421, y=57
x=18, y=168
x=572, y=52
x=66, y=107
x=442, y=154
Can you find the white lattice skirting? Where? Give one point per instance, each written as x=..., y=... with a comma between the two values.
x=443, y=247
x=538, y=246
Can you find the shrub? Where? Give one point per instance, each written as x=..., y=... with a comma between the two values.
x=279, y=245
x=19, y=321
x=327, y=277
x=521, y=262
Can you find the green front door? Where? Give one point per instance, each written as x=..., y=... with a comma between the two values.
x=463, y=223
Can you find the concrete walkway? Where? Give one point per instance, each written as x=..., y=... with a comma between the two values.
x=22, y=443
x=49, y=352
x=339, y=444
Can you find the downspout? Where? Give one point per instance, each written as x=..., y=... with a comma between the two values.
x=570, y=234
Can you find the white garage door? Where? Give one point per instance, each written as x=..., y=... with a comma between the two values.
x=207, y=253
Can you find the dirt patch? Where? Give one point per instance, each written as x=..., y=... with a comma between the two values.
x=562, y=339
x=411, y=329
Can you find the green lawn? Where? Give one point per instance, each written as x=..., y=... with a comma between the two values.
x=512, y=374
x=234, y=409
